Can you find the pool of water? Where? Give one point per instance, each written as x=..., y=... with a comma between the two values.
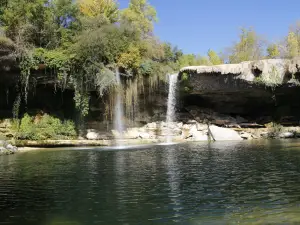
x=199, y=183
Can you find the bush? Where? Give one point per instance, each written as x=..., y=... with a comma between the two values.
x=274, y=129
x=45, y=127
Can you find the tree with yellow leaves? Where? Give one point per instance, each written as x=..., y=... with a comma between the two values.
x=94, y=8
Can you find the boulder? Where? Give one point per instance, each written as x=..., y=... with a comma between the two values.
x=287, y=135
x=92, y=136
x=246, y=136
x=11, y=148
x=224, y=134
x=145, y=135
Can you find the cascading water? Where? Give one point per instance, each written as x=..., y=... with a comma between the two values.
x=171, y=105
x=118, y=111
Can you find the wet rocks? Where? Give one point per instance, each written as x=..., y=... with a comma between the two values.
x=287, y=135
x=246, y=136
x=7, y=148
x=192, y=130
x=93, y=134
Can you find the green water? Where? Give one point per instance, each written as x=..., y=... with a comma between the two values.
x=218, y=183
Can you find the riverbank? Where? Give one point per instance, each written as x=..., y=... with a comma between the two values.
x=157, y=132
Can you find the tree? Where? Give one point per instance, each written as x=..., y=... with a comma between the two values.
x=273, y=51
x=193, y=60
x=40, y=23
x=94, y=8
x=292, y=44
x=214, y=58
x=131, y=59
x=249, y=47
x=141, y=15
x=19, y=13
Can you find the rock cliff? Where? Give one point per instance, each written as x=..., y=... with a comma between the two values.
x=268, y=71
x=265, y=90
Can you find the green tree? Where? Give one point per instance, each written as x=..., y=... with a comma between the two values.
x=214, y=58
x=193, y=60
x=249, y=47
x=21, y=14
x=41, y=23
x=141, y=15
x=273, y=51
x=292, y=44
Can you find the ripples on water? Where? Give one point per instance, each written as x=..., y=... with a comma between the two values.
x=218, y=183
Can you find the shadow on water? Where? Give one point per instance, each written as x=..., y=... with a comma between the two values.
x=195, y=183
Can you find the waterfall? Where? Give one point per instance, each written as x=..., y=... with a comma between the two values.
x=171, y=105
x=118, y=111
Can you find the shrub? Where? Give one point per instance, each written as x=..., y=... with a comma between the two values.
x=274, y=129
x=45, y=127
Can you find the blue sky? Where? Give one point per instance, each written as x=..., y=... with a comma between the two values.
x=198, y=25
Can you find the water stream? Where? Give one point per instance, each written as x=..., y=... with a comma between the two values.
x=118, y=111
x=171, y=105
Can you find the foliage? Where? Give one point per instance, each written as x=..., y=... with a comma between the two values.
x=130, y=59
x=82, y=43
x=214, y=58
x=292, y=45
x=140, y=15
x=249, y=47
x=273, y=51
x=7, y=52
x=271, y=79
x=293, y=41
x=45, y=127
x=274, y=129
x=94, y=8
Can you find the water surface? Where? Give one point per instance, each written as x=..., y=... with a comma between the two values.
x=217, y=183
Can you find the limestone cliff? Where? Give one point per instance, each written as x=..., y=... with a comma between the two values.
x=265, y=90
x=268, y=71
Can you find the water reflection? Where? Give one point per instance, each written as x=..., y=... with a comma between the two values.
x=216, y=183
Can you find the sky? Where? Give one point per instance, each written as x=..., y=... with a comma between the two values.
x=198, y=25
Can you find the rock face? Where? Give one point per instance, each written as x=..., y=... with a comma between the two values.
x=270, y=71
x=252, y=90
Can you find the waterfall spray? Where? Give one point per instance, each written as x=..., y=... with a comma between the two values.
x=171, y=105
x=118, y=111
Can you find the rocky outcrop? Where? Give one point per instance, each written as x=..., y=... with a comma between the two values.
x=269, y=71
x=191, y=131
x=254, y=90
